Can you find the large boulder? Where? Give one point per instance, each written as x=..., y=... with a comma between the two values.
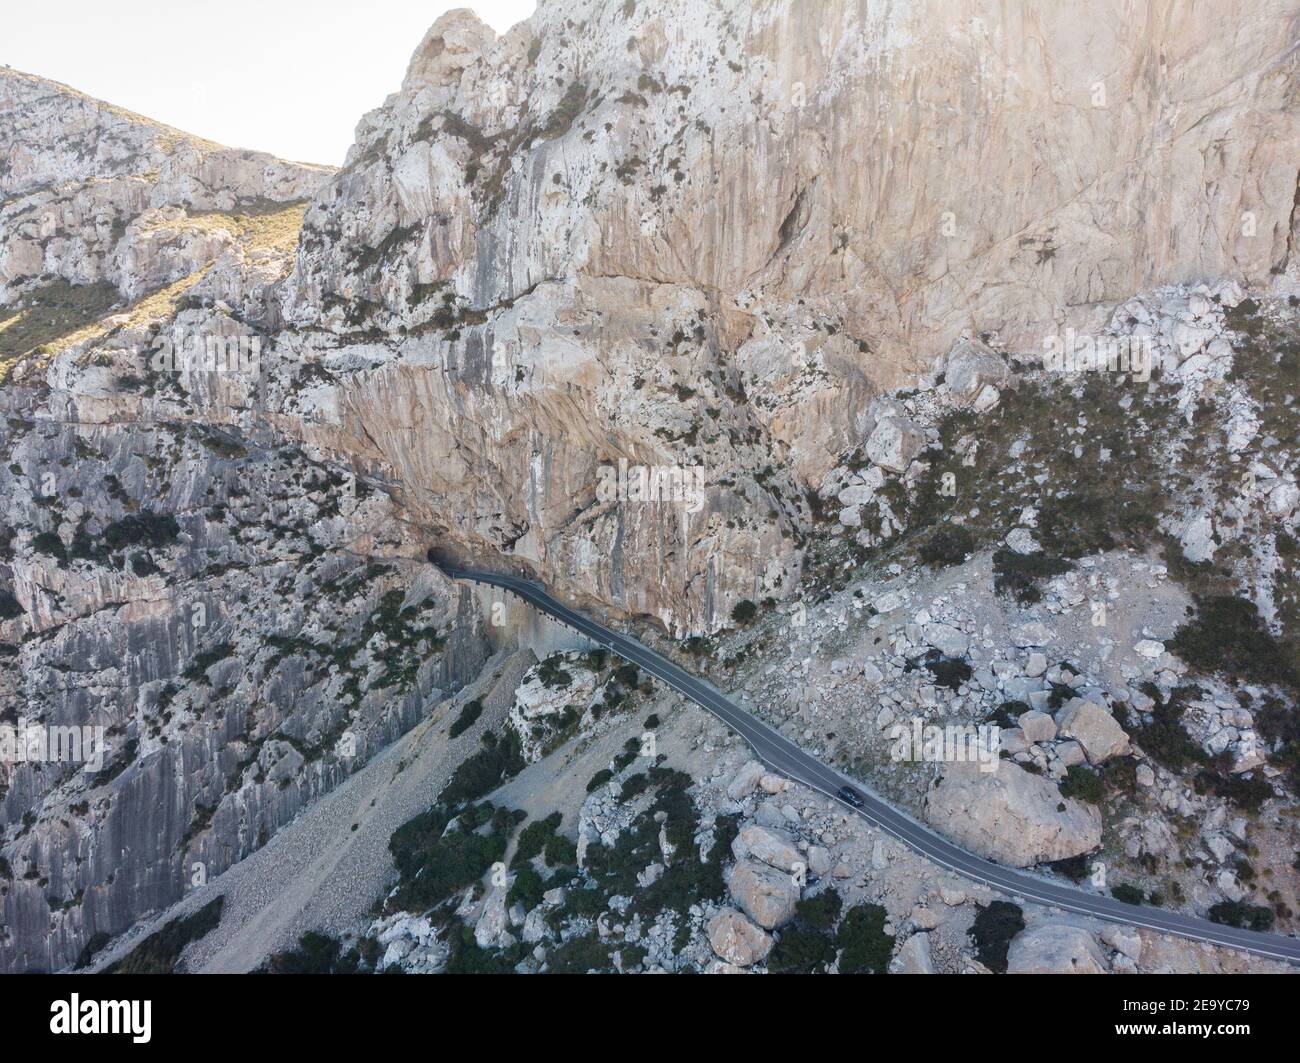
x=1010, y=815
x=948, y=640
x=972, y=368
x=1037, y=726
x=1055, y=948
x=1124, y=939
x=913, y=957
x=491, y=929
x=748, y=777
x=773, y=847
x=894, y=442
x=736, y=940
x=1093, y=728
x=766, y=895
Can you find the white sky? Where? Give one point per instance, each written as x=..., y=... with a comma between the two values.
x=291, y=77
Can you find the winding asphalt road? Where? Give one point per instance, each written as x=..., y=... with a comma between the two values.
x=779, y=753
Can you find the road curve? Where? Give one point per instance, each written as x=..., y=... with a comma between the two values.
x=779, y=753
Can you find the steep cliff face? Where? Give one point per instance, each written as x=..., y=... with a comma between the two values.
x=707, y=234
x=698, y=238
x=228, y=622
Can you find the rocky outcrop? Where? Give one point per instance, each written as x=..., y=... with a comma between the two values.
x=975, y=375
x=1010, y=815
x=745, y=780
x=894, y=442
x=563, y=683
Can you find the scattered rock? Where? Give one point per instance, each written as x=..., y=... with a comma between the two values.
x=947, y=639
x=972, y=369
x=1124, y=939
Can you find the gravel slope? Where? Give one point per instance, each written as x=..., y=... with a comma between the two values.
x=327, y=868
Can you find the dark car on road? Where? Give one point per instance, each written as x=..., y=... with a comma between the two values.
x=847, y=793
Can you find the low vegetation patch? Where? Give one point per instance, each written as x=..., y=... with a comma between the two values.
x=160, y=951
x=1243, y=916
x=319, y=953
x=995, y=925
x=468, y=717
x=1228, y=637
x=1018, y=574
x=865, y=948
x=949, y=545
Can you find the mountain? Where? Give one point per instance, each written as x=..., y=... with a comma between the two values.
x=797, y=263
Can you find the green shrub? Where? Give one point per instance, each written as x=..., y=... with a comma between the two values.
x=1018, y=574
x=995, y=925
x=820, y=912
x=485, y=770
x=580, y=955
x=552, y=675
x=1075, y=868
x=316, y=953
x=467, y=958
x=526, y=889
x=49, y=544
x=566, y=113
x=1244, y=793
x=467, y=718
x=145, y=528
x=1009, y=712
x=160, y=951
x=1279, y=722
x=1165, y=739
x=87, y=955
x=1243, y=916
x=1128, y=894
x=801, y=951
x=560, y=851
x=950, y=672
x=947, y=546
x=599, y=779
x=1083, y=783
x=1228, y=637
x=433, y=863
x=9, y=607
x=196, y=670
x=744, y=612
x=865, y=948
x=533, y=838
x=633, y=785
